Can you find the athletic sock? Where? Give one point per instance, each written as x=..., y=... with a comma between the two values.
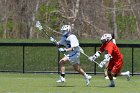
x=85, y=75
x=123, y=73
x=112, y=82
x=63, y=75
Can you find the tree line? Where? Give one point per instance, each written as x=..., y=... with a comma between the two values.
x=88, y=18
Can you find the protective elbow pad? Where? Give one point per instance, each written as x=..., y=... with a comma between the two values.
x=107, y=57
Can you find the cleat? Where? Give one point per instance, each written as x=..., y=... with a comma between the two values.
x=114, y=78
x=128, y=75
x=88, y=78
x=111, y=85
x=61, y=80
x=108, y=77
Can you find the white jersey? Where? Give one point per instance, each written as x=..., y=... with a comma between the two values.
x=72, y=42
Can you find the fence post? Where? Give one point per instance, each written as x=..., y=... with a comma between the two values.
x=23, y=59
x=95, y=63
x=58, y=61
x=132, y=61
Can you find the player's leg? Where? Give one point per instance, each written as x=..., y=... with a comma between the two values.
x=110, y=75
x=82, y=72
x=118, y=67
x=127, y=74
x=62, y=69
x=105, y=72
x=106, y=75
x=75, y=61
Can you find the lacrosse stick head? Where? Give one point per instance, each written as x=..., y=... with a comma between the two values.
x=38, y=25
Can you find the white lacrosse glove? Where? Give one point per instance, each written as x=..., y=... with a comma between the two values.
x=102, y=64
x=95, y=56
x=92, y=58
x=52, y=39
x=62, y=49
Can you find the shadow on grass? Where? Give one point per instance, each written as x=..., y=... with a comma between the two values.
x=103, y=87
x=65, y=86
x=61, y=85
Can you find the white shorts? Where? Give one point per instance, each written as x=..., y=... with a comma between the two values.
x=74, y=58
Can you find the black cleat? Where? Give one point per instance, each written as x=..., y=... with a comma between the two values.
x=111, y=85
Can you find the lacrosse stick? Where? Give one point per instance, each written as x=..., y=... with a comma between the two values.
x=82, y=51
x=39, y=26
x=53, y=30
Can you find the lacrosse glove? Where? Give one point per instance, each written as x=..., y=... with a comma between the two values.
x=102, y=64
x=92, y=58
x=62, y=49
x=52, y=39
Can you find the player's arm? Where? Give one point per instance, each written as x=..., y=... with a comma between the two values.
x=74, y=43
x=107, y=57
x=97, y=54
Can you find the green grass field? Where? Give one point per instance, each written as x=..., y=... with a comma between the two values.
x=45, y=83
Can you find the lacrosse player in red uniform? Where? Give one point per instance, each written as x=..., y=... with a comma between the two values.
x=105, y=70
x=71, y=44
x=112, y=56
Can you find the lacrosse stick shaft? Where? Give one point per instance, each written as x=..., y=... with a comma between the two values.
x=96, y=62
x=82, y=51
x=85, y=54
x=88, y=57
x=45, y=33
x=54, y=30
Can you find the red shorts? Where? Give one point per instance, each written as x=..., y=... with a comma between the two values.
x=115, y=67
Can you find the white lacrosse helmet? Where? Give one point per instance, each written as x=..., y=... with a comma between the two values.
x=106, y=37
x=65, y=29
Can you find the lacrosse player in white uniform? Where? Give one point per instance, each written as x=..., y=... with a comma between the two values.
x=71, y=44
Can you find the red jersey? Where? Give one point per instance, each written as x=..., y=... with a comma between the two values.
x=113, y=50
x=116, y=62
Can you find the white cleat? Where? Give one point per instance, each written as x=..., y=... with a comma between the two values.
x=61, y=80
x=114, y=78
x=108, y=77
x=88, y=78
x=128, y=75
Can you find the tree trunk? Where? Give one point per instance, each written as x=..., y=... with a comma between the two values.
x=5, y=21
x=114, y=19
x=33, y=20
